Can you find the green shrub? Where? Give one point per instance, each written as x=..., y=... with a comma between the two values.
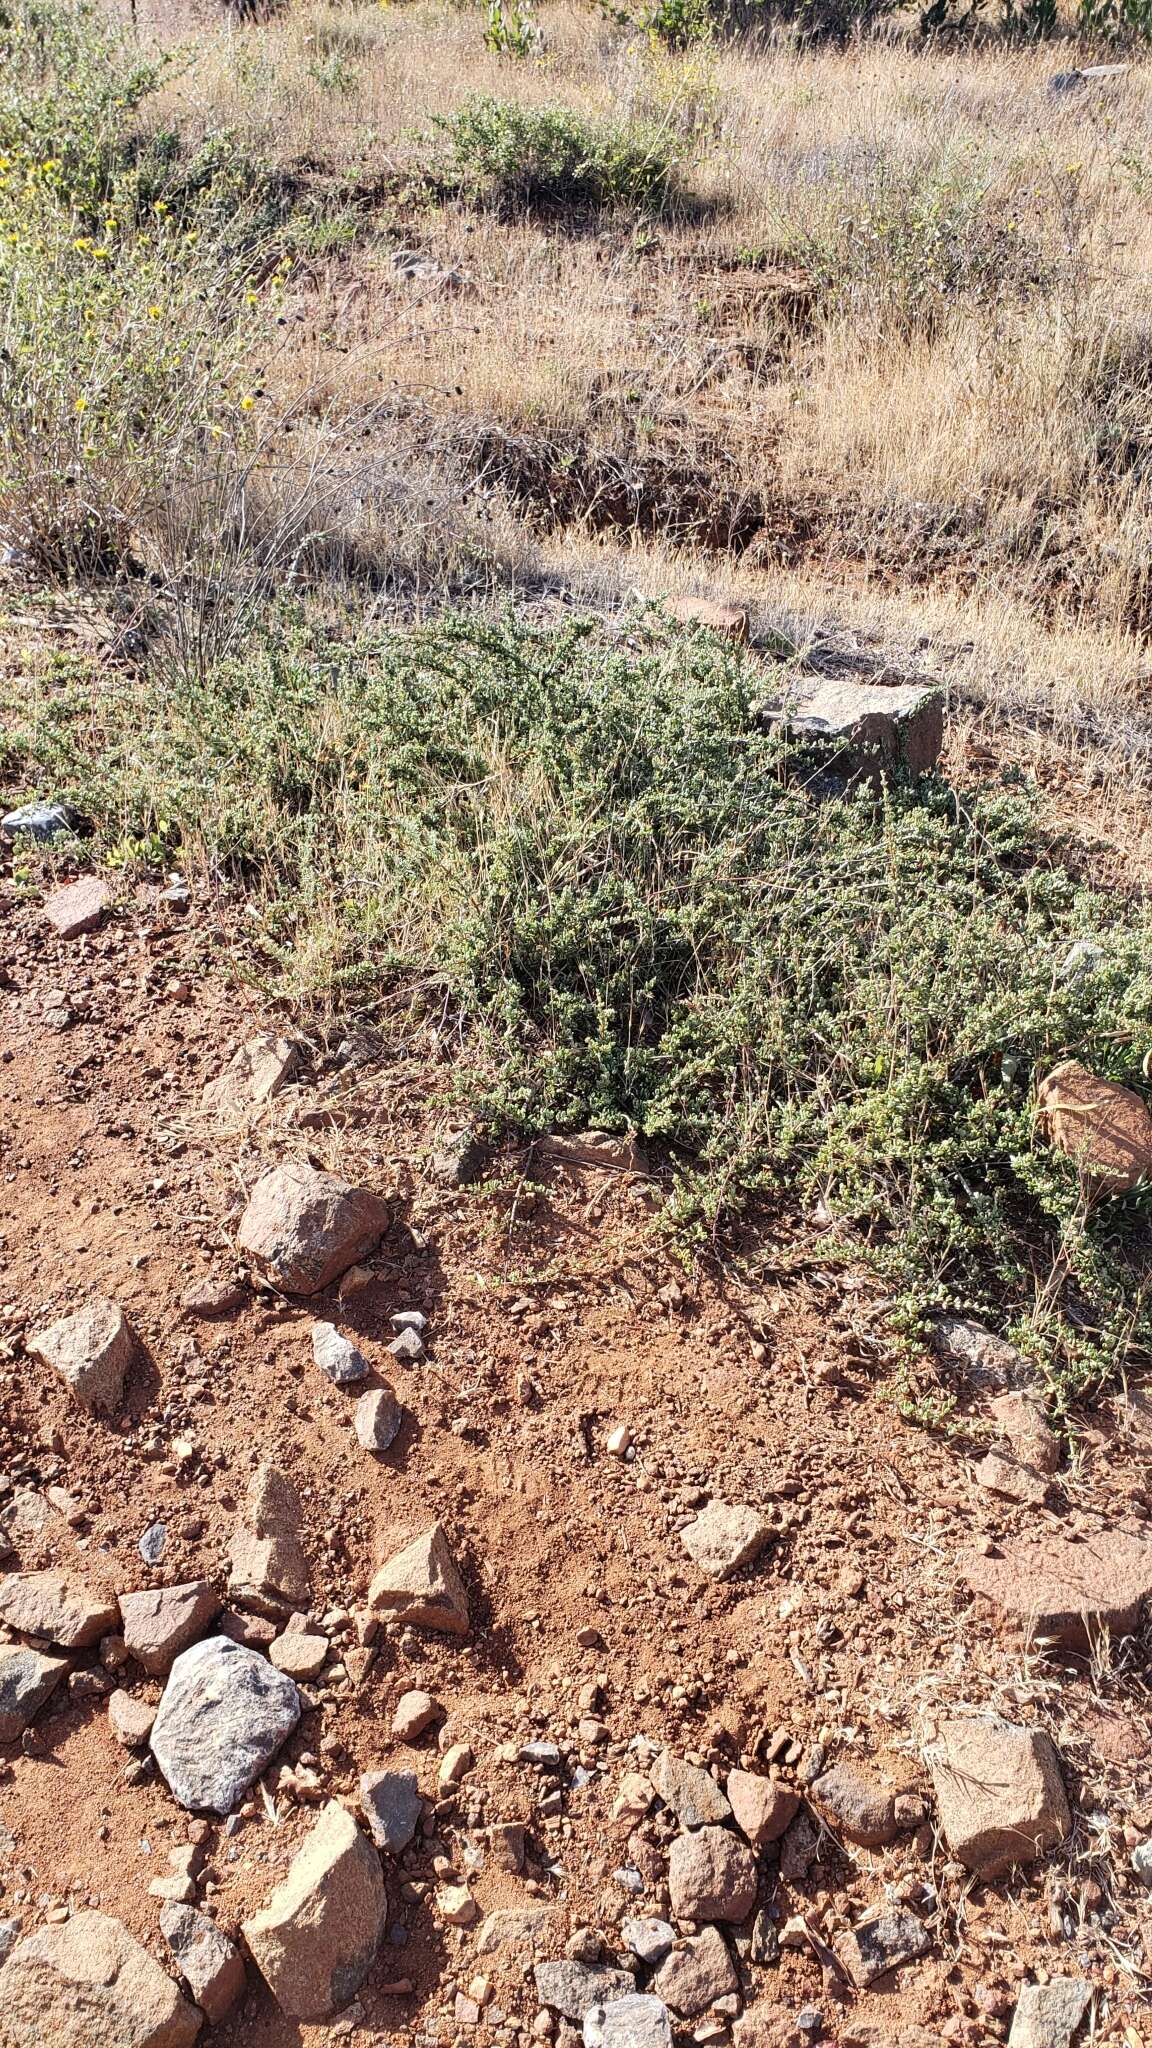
x=553, y=157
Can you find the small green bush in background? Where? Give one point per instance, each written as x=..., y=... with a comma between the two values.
x=554, y=157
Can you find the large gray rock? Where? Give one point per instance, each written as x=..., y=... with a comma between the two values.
x=635, y=2021
x=695, y=1798
x=316, y=1938
x=92, y=1351
x=1047, y=2015
x=60, y=1608
x=27, y=1679
x=88, y=1984
x=574, y=1988
x=37, y=821
x=303, y=1228
x=210, y=1964
x=225, y=1713
x=873, y=729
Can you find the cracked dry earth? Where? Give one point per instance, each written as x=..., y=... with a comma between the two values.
x=571, y=1407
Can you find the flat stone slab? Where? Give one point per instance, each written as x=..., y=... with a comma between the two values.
x=255, y=1073
x=635, y=2021
x=876, y=728
x=573, y=1988
x=88, y=1984
x=999, y=1794
x=1047, y=2015
x=1072, y=1594
x=77, y=908
x=224, y=1714
x=57, y=1607
x=269, y=1571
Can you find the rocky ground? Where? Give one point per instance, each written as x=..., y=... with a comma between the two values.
x=431, y=1613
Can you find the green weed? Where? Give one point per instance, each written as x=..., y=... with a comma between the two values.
x=554, y=157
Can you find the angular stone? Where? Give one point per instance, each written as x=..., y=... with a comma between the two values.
x=854, y=1805
x=762, y=1809
x=727, y=620
x=256, y=1072
x=224, y=1714
x=999, y=1794
x=1073, y=1594
x=57, y=1607
x=694, y=1975
x=574, y=1988
x=422, y=1587
x=997, y=1473
x=711, y=1876
x=1047, y=2015
x=1104, y=1128
x=211, y=1966
x=723, y=1538
x=635, y=2021
x=131, y=1720
x=415, y=1712
x=207, y=1299
x=92, y=1351
x=876, y=729
x=337, y=1356
x=77, y=908
x=27, y=1679
x=316, y=1938
x=648, y=1939
x=85, y=1983
x=459, y=1159
x=377, y=1419
x=391, y=1804
x=37, y=821
x=157, y=1624
x=300, y=1654
x=694, y=1796
x=269, y=1569
x=527, y=1928
x=881, y=1944
x=1025, y=1425
x=607, y=1150
x=303, y=1228
x=987, y=1363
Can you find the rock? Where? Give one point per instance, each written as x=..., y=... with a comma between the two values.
x=459, y=1159
x=210, y=1965
x=37, y=821
x=57, y=1607
x=407, y=1346
x=269, y=1569
x=711, y=1876
x=1072, y=1594
x=1104, y=1128
x=92, y=1351
x=224, y=1714
x=881, y=1944
x=316, y=1938
x=152, y=1543
x=456, y=1906
x=77, y=908
x=85, y=1983
x=875, y=729
x=695, y=1798
x=27, y=1679
x=158, y=1624
x=206, y=1299
x=854, y=1805
x=1047, y=2015
x=762, y=1808
x=422, y=1587
x=574, y=1988
x=997, y=1473
x=505, y=1839
x=415, y=1711
x=648, y=1939
x=391, y=1804
x=299, y=1654
x=725, y=619
x=610, y=1151
x=1142, y=1863
x=999, y=1794
x=696, y=1974
x=1025, y=1426
x=303, y=1228
x=337, y=1356
x=9, y=1936
x=377, y=1419
x=987, y=1363
x=131, y=1720
x=256, y=1072
x=526, y=1928
x=1088, y=74
x=723, y=1538
x=635, y=2021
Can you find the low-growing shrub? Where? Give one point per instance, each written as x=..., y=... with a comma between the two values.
x=553, y=157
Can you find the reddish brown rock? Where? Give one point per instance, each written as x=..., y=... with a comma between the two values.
x=92, y=1351
x=762, y=1808
x=1025, y=1426
x=855, y=1805
x=209, y=1963
x=77, y=908
x=269, y=1571
x=130, y=1720
x=303, y=1228
x=161, y=1621
x=1011, y=1480
x=999, y=1794
x=87, y=1984
x=711, y=1876
x=316, y=1938
x=1073, y=1594
x=422, y=1586
x=57, y=1607
x=1100, y=1125
x=725, y=619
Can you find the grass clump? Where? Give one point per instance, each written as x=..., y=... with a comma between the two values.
x=603, y=868
x=552, y=157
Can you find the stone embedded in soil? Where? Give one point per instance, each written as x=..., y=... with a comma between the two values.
x=694, y=1796
x=876, y=728
x=1025, y=1426
x=1103, y=1127
x=459, y=1159
x=1069, y=1593
x=573, y=1988
x=337, y=1356
x=210, y=1964
x=91, y=1350
x=86, y=1983
x=421, y=1586
x=269, y=1570
x=207, y=1299
x=415, y=1712
x=299, y=1653
x=722, y=1538
x=1006, y=1476
x=77, y=908
x=377, y=1419
x=726, y=619
x=635, y=2021
x=694, y=1975
x=854, y=1805
x=711, y=1876
x=224, y=1714
x=316, y=1938
x=648, y=1939
x=58, y=1607
x=881, y=1944
x=256, y=1072
x=303, y=1228
x=761, y=1808
x=160, y=1622
x=988, y=1363
x=131, y=1720
x=1047, y=2015
x=608, y=1150
x=391, y=1804
x=27, y=1679
x=999, y=1794
x=526, y=1928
